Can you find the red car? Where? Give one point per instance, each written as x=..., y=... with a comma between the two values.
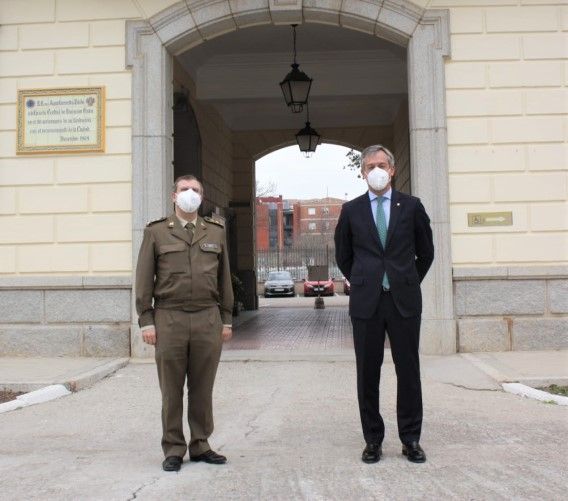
x=321, y=288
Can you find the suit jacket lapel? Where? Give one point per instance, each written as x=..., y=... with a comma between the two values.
x=369, y=218
x=395, y=209
x=177, y=230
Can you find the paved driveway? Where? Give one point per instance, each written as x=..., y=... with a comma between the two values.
x=293, y=329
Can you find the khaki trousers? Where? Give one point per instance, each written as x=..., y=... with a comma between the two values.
x=188, y=346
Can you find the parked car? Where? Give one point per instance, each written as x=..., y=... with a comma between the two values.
x=279, y=283
x=346, y=287
x=321, y=288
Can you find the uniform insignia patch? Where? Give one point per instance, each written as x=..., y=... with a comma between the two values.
x=207, y=246
x=150, y=223
x=218, y=221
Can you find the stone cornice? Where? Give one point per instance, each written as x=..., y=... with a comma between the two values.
x=440, y=18
x=394, y=20
x=510, y=272
x=66, y=282
x=134, y=31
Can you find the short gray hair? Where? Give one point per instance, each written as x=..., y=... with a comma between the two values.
x=375, y=148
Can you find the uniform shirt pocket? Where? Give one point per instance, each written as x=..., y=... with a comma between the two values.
x=209, y=256
x=173, y=258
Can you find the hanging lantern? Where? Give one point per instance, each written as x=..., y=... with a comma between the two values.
x=308, y=138
x=296, y=85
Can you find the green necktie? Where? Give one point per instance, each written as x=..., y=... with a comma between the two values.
x=190, y=227
x=381, y=222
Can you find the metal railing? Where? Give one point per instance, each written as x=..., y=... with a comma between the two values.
x=296, y=260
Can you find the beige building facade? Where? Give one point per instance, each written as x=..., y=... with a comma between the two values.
x=470, y=94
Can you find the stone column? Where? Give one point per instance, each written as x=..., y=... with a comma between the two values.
x=152, y=142
x=244, y=205
x=429, y=172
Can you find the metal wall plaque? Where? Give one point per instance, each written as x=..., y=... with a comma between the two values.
x=69, y=120
x=490, y=219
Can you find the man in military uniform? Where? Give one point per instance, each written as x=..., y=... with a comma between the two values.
x=184, y=300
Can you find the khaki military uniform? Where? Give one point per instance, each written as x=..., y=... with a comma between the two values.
x=183, y=287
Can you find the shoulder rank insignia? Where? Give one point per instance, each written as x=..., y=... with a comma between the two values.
x=217, y=220
x=150, y=223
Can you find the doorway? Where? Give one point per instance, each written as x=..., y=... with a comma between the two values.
x=424, y=49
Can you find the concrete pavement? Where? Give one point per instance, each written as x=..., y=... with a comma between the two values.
x=286, y=417
x=23, y=374
x=289, y=424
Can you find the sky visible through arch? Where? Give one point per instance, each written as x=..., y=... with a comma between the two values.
x=316, y=177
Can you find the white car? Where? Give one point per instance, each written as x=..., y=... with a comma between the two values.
x=279, y=283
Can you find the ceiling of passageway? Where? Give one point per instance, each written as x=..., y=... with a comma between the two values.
x=359, y=79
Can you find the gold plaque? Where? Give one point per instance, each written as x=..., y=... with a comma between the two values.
x=69, y=120
x=490, y=219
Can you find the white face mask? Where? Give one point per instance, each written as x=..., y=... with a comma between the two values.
x=188, y=200
x=378, y=179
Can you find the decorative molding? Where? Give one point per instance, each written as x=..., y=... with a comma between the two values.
x=134, y=32
x=440, y=19
x=510, y=272
x=66, y=282
x=404, y=8
x=400, y=17
x=168, y=16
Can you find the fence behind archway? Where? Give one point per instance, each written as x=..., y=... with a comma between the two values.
x=296, y=260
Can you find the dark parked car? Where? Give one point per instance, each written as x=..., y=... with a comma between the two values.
x=346, y=287
x=319, y=288
x=279, y=283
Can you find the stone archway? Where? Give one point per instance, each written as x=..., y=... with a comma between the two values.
x=250, y=147
x=425, y=35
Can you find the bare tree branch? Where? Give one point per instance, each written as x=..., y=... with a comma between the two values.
x=266, y=190
x=353, y=161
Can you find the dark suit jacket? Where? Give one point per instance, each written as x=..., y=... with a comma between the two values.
x=362, y=260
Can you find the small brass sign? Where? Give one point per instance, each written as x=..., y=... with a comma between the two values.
x=490, y=219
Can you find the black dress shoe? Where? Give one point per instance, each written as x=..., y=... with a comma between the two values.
x=372, y=453
x=172, y=463
x=210, y=457
x=414, y=452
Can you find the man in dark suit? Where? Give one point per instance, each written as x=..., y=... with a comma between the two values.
x=383, y=246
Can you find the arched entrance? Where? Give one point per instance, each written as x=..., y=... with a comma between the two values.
x=424, y=35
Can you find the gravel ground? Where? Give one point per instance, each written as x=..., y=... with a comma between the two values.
x=7, y=395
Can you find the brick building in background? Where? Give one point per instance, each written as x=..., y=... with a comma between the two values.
x=273, y=223
x=315, y=219
x=284, y=223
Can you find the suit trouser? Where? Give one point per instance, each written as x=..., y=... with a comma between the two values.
x=369, y=341
x=188, y=346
